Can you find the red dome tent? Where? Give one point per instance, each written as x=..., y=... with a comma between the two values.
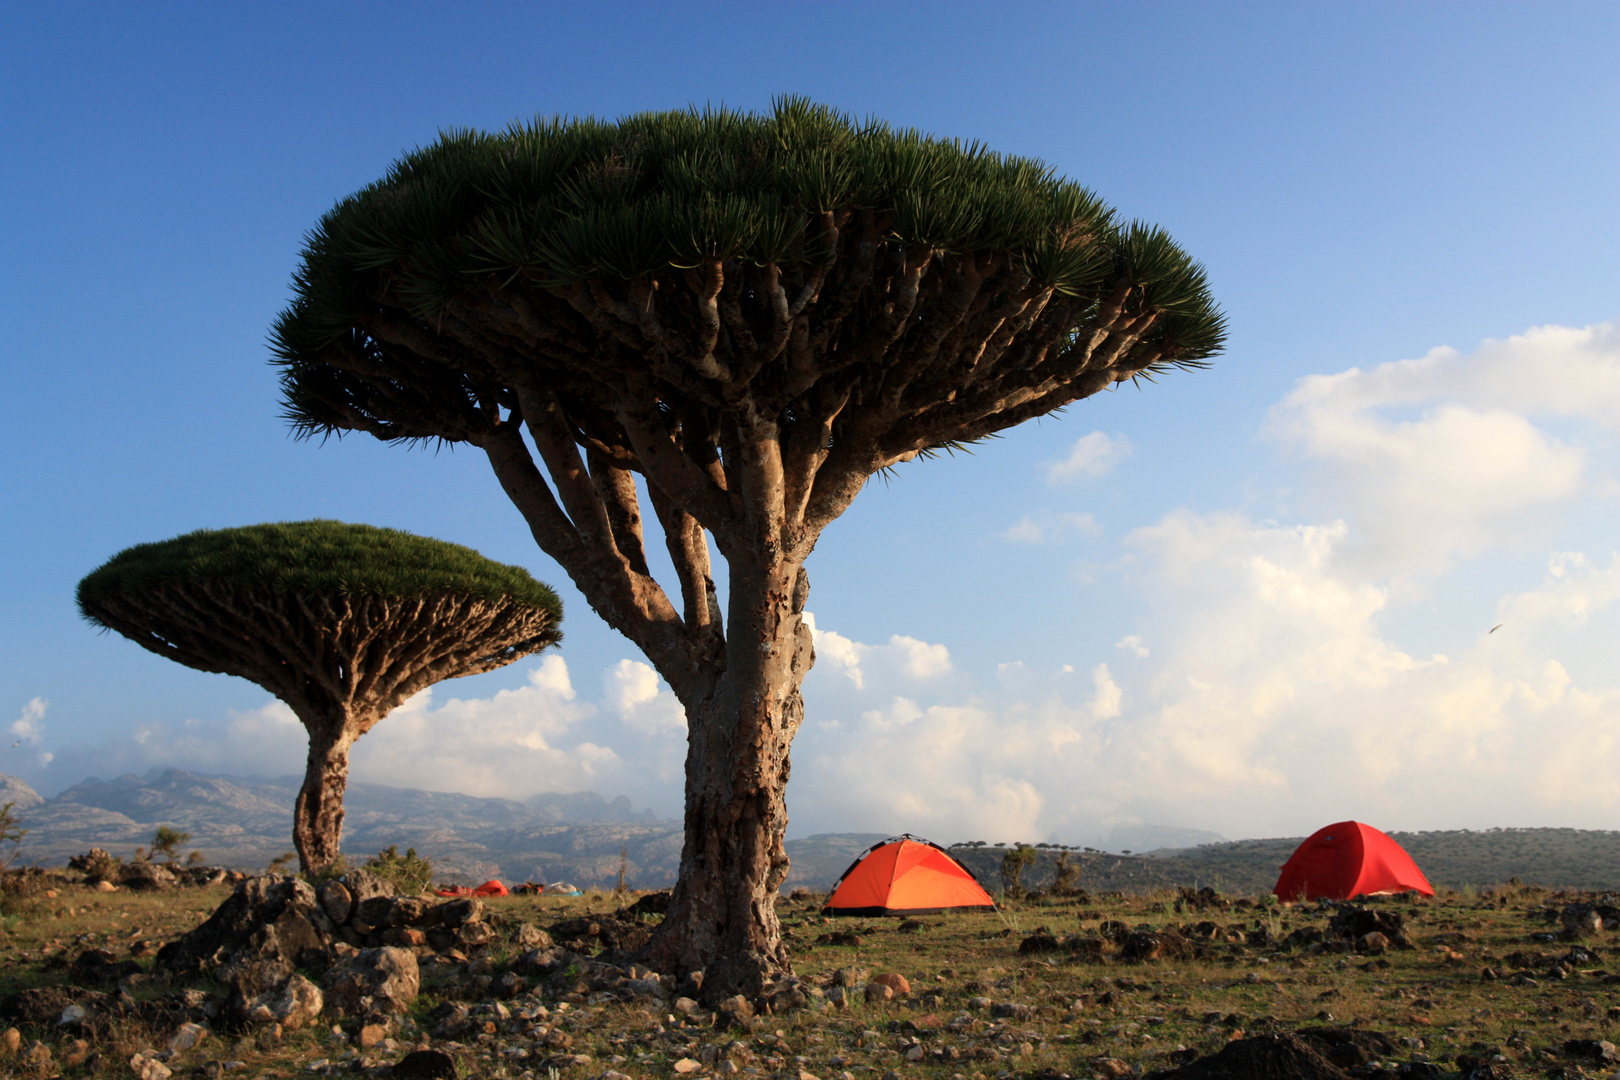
x=1349, y=859
x=905, y=875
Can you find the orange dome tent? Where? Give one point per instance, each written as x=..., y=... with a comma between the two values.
x=905, y=875
x=1349, y=859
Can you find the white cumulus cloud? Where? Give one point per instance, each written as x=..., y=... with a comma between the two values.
x=1095, y=454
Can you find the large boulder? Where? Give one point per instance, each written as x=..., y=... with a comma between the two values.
x=275, y=920
x=373, y=981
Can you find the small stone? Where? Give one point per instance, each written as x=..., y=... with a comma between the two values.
x=425, y=1065
x=1110, y=1067
x=290, y=1006
x=978, y=1003
x=371, y=1035
x=686, y=1006
x=77, y=1053
x=804, y=1075
x=149, y=1068
x=186, y=1037
x=687, y=1066
x=737, y=1005
x=915, y=1053
x=877, y=992
x=105, y=886
x=895, y=982
x=530, y=936
x=337, y=901
x=73, y=1014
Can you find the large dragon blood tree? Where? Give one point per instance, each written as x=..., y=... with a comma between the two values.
x=342, y=622
x=746, y=316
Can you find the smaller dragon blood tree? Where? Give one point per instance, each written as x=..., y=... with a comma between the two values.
x=342, y=622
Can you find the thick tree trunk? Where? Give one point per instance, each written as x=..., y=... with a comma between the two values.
x=318, y=811
x=722, y=913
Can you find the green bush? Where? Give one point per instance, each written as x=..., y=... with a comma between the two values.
x=410, y=873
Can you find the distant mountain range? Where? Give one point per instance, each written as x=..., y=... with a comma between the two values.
x=245, y=823
x=582, y=837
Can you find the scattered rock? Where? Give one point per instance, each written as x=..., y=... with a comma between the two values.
x=380, y=980
x=1349, y=1047
x=1264, y=1057
x=654, y=903
x=735, y=1011
x=98, y=966
x=461, y=910
x=363, y=885
x=1600, y=1050
x=877, y=992
x=1581, y=920
x=142, y=876
x=296, y=1003
x=186, y=1037
x=149, y=1068
x=44, y=1006
x=425, y=1065
x=894, y=982
x=1350, y=923
x=337, y=901
x=1373, y=943
x=1144, y=945
x=530, y=936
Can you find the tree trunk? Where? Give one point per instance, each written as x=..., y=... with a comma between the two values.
x=722, y=913
x=318, y=811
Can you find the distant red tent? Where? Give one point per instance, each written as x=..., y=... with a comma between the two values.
x=1349, y=859
x=905, y=876
x=488, y=888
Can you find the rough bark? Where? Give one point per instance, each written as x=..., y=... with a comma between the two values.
x=318, y=810
x=722, y=913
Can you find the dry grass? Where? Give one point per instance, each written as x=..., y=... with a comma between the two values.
x=1432, y=998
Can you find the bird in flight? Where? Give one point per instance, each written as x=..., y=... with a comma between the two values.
x=1494, y=629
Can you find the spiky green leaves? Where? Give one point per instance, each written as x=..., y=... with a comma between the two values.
x=314, y=558
x=557, y=202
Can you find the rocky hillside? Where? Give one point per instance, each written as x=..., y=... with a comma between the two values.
x=582, y=837
x=243, y=824
x=246, y=823
x=1560, y=858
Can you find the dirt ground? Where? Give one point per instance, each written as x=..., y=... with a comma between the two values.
x=1487, y=983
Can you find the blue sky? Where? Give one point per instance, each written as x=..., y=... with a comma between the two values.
x=1251, y=599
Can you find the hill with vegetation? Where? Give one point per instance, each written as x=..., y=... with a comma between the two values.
x=1457, y=858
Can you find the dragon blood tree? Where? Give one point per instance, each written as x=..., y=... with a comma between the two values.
x=746, y=316
x=342, y=622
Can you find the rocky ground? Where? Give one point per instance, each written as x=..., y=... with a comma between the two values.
x=272, y=977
